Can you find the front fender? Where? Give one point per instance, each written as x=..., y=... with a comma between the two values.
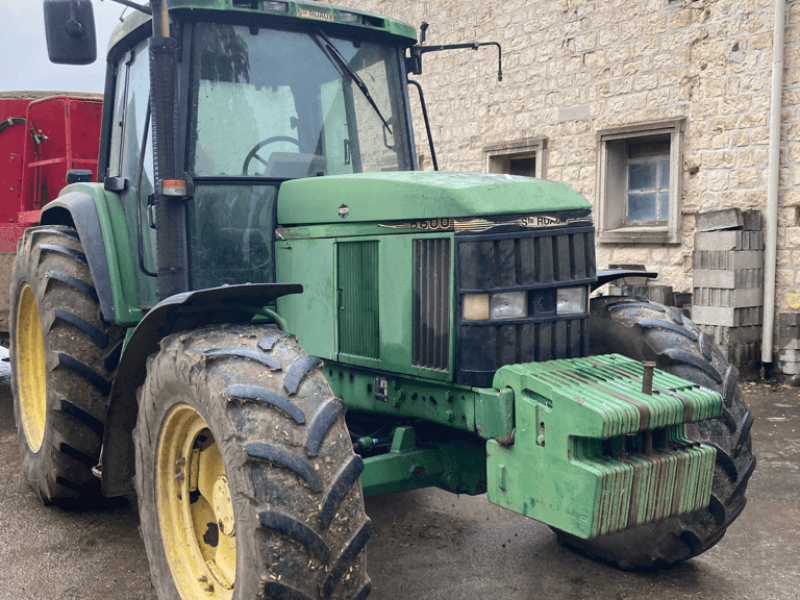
x=99, y=219
x=182, y=312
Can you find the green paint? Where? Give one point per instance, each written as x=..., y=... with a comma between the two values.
x=357, y=299
x=560, y=471
x=309, y=315
x=121, y=266
x=419, y=195
x=455, y=466
x=494, y=414
x=308, y=13
x=407, y=396
x=327, y=329
x=405, y=439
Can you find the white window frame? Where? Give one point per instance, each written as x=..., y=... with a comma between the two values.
x=612, y=184
x=497, y=156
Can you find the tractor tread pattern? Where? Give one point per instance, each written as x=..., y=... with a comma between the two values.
x=96, y=334
x=299, y=532
x=73, y=410
x=744, y=433
x=102, y=384
x=626, y=304
x=725, y=461
x=343, y=481
x=65, y=251
x=662, y=324
x=682, y=356
x=275, y=590
x=111, y=360
x=265, y=359
x=78, y=284
x=354, y=546
x=728, y=419
x=705, y=343
x=288, y=460
x=289, y=554
x=269, y=339
x=298, y=371
x=63, y=232
x=81, y=457
x=626, y=325
x=363, y=592
x=52, y=262
x=321, y=422
x=262, y=394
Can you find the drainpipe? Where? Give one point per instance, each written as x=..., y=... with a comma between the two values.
x=771, y=243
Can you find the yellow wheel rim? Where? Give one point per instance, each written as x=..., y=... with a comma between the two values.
x=194, y=508
x=31, y=370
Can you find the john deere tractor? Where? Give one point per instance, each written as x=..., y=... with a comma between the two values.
x=263, y=311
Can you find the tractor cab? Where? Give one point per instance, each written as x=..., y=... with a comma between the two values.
x=264, y=95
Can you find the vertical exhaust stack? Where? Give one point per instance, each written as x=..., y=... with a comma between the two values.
x=171, y=243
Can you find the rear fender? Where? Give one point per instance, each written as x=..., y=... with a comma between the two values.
x=604, y=277
x=182, y=312
x=99, y=219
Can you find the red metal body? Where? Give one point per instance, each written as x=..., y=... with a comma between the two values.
x=60, y=133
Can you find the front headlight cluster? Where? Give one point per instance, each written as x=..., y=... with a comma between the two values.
x=514, y=305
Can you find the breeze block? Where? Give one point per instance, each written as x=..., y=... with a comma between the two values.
x=592, y=453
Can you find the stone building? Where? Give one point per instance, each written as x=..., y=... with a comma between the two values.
x=654, y=110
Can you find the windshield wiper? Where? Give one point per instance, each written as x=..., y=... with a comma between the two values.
x=342, y=62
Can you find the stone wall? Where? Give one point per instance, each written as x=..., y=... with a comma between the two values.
x=575, y=67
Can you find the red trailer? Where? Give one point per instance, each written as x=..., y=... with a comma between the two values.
x=42, y=136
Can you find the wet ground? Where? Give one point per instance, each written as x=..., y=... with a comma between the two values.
x=429, y=545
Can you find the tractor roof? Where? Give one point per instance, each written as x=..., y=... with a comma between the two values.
x=284, y=10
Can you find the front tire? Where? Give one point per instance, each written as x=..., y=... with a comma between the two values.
x=64, y=356
x=247, y=481
x=649, y=331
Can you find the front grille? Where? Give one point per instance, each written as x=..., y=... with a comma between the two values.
x=431, y=315
x=539, y=259
x=358, y=299
x=538, y=262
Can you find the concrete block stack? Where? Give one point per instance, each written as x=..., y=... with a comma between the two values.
x=789, y=345
x=728, y=272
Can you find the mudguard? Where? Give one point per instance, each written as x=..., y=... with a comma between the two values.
x=182, y=312
x=604, y=277
x=99, y=219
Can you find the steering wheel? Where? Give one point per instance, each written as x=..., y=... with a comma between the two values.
x=270, y=140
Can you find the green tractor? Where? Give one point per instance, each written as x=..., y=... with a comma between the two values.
x=264, y=311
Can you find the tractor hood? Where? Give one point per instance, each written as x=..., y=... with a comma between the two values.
x=371, y=197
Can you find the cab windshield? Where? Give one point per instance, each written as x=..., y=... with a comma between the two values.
x=287, y=104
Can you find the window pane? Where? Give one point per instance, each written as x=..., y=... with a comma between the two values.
x=280, y=104
x=231, y=234
x=522, y=166
x=665, y=175
x=642, y=207
x=641, y=176
x=663, y=206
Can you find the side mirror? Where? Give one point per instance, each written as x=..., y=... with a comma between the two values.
x=71, y=38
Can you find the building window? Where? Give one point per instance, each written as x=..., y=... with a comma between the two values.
x=639, y=184
x=523, y=157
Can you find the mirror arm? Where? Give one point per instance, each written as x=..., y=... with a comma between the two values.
x=427, y=123
x=139, y=7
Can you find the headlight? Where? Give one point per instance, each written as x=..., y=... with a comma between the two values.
x=571, y=301
x=506, y=305
x=475, y=307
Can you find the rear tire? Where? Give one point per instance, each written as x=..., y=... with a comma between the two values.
x=245, y=406
x=63, y=359
x=648, y=331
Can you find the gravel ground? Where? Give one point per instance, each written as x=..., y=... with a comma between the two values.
x=430, y=545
